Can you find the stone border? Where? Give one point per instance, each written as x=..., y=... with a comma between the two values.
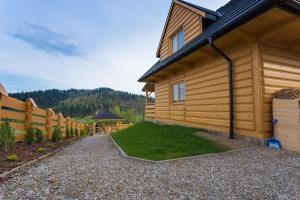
x=123, y=154
x=6, y=174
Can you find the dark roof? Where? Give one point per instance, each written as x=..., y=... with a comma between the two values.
x=213, y=15
x=106, y=115
x=231, y=15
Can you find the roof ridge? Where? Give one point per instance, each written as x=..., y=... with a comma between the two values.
x=206, y=10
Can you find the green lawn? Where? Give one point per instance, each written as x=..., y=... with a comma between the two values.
x=160, y=142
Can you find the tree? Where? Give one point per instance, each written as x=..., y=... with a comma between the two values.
x=7, y=136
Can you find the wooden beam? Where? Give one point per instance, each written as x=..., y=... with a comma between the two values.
x=273, y=30
x=258, y=89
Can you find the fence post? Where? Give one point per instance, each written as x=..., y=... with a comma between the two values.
x=68, y=123
x=94, y=128
x=59, y=123
x=72, y=126
x=30, y=105
x=50, y=113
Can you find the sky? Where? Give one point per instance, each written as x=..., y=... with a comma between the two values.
x=80, y=44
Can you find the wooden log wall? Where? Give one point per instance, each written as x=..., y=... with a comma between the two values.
x=207, y=97
x=281, y=69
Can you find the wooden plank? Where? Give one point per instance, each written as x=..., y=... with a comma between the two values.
x=42, y=128
x=7, y=114
x=39, y=111
x=17, y=126
x=37, y=119
x=257, y=86
x=1, y=106
x=10, y=102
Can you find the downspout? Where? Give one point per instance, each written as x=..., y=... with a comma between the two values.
x=230, y=79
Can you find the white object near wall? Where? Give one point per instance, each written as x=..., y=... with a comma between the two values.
x=287, y=129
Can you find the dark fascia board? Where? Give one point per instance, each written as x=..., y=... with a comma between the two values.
x=256, y=9
x=292, y=6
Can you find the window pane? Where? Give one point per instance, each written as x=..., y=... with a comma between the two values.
x=182, y=92
x=174, y=41
x=181, y=39
x=175, y=93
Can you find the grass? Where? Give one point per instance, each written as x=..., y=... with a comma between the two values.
x=161, y=142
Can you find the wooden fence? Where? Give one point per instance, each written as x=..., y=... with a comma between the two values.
x=21, y=115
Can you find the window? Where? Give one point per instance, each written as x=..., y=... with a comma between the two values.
x=178, y=90
x=177, y=41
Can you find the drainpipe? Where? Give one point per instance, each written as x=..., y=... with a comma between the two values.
x=230, y=78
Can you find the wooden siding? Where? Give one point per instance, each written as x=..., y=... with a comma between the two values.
x=207, y=96
x=180, y=17
x=281, y=69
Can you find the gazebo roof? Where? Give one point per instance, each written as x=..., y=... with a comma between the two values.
x=107, y=115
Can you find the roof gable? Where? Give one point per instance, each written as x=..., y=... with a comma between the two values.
x=201, y=12
x=233, y=14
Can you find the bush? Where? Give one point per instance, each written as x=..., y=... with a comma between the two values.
x=76, y=132
x=12, y=157
x=68, y=135
x=84, y=133
x=29, y=136
x=7, y=136
x=41, y=150
x=39, y=135
x=72, y=133
x=56, y=136
x=81, y=133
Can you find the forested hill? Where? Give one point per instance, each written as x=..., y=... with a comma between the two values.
x=81, y=103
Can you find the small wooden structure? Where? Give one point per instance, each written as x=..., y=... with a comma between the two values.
x=287, y=129
x=107, y=122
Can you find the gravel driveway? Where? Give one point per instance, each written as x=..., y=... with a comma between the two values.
x=93, y=169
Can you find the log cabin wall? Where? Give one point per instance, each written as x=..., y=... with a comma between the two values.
x=180, y=17
x=281, y=69
x=207, y=100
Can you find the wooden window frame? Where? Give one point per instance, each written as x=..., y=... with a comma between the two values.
x=181, y=29
x=178, y=83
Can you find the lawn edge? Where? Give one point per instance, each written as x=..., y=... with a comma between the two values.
x=5, y=175
x=123, y=154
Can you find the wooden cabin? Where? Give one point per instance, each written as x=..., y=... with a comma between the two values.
x=218, y=70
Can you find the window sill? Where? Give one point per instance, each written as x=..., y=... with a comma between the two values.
x=178, y=103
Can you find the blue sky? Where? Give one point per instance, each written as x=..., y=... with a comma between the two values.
x=80, y=44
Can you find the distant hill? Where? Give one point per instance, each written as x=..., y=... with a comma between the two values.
x=81, y=103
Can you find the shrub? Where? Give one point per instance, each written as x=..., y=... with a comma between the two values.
x=56, y=136
x=7, y=136
x=39, y=135
x=72, y=133
x=81, y=133
x=76, y=132
x=12, y=157
x=68, y=135
x=29, y=136
x=84, y=132
x=41, y=150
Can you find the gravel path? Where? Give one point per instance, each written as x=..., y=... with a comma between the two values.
x=93, y=169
